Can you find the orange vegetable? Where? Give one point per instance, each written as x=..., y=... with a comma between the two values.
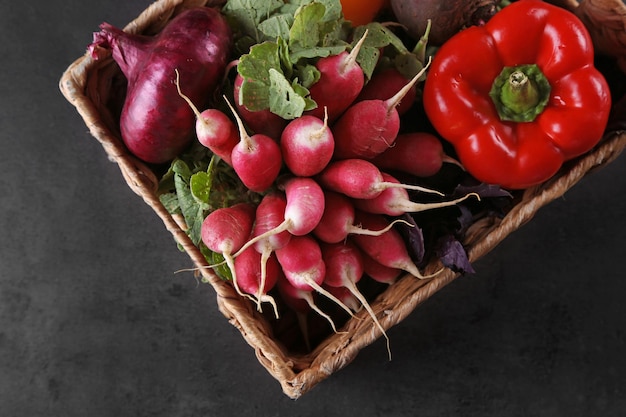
x=360, y=12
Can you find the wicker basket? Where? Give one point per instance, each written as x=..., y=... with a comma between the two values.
x=89, y=86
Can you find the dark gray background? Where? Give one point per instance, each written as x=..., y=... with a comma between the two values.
x=94, y=322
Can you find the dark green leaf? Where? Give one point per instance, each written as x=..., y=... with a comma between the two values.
x=277, y=26
x=170, y=202
x=200, y=185
x=284, y=100
x=192, y=212
x=305, y=30
x=307, y=74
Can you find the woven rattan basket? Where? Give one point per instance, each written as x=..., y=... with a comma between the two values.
x=89, y=86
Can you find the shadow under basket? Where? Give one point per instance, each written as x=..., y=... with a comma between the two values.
x=92, y=86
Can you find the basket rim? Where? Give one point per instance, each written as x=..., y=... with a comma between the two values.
x=297, y=374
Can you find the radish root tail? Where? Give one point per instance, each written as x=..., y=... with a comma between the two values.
x=230, y=261
x=351, y=286
x=278, y=229
x=394, y=101
x=184, y=97
x=387, y=184
x=358, y=230
x=328, y=295
x=355, y=51
x=308, y=297
x=417, y=207
x=261, y=296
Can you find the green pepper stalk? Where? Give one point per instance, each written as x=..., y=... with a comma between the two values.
x=520, y=93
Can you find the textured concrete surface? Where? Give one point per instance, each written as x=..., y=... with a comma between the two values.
x=93, y=321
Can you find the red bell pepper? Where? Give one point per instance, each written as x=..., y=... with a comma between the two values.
x=519, y=95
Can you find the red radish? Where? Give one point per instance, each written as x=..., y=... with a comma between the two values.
x=344, y=268
x=387, y=249
x=307, y=145
x=256, y=159
x=303, y=266
x=380, y=273
x=214, y=129
x=269, y=214
x=303, y=211
x=337, y=222
x=292, y=296
x=255, y=278
x=262, y=121
x=417, y=153
x=370, y=127
x=155, y=123
x=226, y=230
x=384, y=85
x=301, y=261
x=396, y=201
x=358, y=178
x=305, y=205
x=341, y=80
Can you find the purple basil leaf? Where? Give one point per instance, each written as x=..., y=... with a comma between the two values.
x=482, y=189
x=453, y=255
x=414, y=237
x=465, y=219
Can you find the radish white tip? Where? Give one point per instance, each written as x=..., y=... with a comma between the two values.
x=385, y=184
x=351, y=286
x=243, y=134
x=230, y=261
x=195, y=271
x=413, y=207
x=450, y=160
x=268, y=299
x=278, y=229
x=227, y=260
x=261, y=296
x=355, y=51
x=308, y=297
x=319, y=134
x=184, y=97
x=394, y=101
x=413, y=270
x=358, y=230
x=200, y=268
x=328, y=295
x=232, y=64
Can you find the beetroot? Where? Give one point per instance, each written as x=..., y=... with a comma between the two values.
x=448, y=16
x=156, y=123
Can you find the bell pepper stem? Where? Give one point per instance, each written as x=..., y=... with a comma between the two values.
x=520, y=93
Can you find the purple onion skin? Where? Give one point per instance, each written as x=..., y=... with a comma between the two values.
x=447, y=16
x=156, y=123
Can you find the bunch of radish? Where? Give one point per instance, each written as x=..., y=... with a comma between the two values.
x=328, y=209
x=326, y=203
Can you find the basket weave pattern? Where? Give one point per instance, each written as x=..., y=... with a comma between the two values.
x=88, y=85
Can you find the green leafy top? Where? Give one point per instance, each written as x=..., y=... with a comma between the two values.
x=196, y=183
x=280, y=41
x=256, y=21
